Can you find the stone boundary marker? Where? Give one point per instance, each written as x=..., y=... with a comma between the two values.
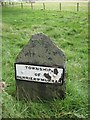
x=40, y=70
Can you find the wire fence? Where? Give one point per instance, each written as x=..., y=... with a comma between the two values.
x=72, y=6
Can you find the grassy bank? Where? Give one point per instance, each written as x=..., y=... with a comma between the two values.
x=69, y=31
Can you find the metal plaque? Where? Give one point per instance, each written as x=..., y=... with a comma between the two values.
x=39, y=73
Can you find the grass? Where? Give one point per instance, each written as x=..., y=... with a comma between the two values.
x=69, y=31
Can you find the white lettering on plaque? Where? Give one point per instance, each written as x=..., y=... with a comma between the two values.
x=39, y=73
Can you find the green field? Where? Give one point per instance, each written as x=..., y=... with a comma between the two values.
x=69, y=31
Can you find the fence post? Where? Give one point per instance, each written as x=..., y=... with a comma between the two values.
x=21, y=5
x=9, y=3
x=60, y=6
x=2, y=4
x=13, y=3
x=44, y=6
x=5, y=4
x=77, y=6
x=31, y=5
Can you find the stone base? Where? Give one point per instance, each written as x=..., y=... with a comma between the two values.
x=39, y=91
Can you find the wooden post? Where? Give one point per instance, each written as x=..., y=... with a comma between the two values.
x=9, y=3
x=2, y=4
x=44, y=6
x=31, y=5
x=60, y=6
x=77, y=6
x=21, y=5
x=13, y=3
x=5, y=4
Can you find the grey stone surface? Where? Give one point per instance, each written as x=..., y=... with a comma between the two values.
x=40, y=50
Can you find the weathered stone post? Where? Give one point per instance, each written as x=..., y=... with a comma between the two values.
x=40, y=70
